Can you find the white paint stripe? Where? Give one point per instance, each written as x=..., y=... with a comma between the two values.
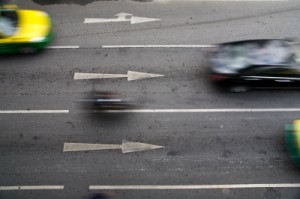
x=225, y=186
x=158, y=46
x=63, y=47
x=33, y=111
x=163, y=110
x=37, y=187
x=203, y=110
x=222, y=0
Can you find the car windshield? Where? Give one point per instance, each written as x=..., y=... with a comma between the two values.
x=8, y=22
x=239, y=55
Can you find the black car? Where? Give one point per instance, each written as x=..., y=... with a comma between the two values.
x=240, y=66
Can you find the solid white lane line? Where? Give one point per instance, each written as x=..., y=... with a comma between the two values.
x=161, y=1
x=33, y=187
x=63, y=47
x=225, y=186
x=158, y=46
x=33, y=111
x=204, y=110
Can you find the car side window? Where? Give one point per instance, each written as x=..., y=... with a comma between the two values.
x=268, y=71
x=8, y=23
x=279, y=72
x=254, y=71
x=290, y=72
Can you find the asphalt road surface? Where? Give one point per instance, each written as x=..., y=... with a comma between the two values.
x=214, y=144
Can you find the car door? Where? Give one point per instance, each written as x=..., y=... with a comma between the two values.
x=279, y=77
x=288, y=77
x=258, y=76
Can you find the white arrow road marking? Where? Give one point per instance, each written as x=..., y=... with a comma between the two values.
x=34, y=111
x=121, y=17
x=126, y=146
x=160, y=187
x=33, y=187
x=136, y=20
x=131, y=75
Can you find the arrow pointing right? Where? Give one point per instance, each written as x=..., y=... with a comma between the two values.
x=131, y=75
x=136, y=20
x=121, y=17
x=126, y=147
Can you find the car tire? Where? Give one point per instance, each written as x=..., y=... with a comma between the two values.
x=239, y=89
x=27, y=50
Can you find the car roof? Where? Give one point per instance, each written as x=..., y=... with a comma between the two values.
x=238, y=55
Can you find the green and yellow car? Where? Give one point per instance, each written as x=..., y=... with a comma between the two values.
x=292, y=138
x=23, y=31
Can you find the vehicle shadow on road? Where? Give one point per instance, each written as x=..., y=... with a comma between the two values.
x=96, y=116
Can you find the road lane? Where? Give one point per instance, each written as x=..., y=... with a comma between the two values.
x=181, y=22
x=34, y=82
x=214, y=148
x=213, y=137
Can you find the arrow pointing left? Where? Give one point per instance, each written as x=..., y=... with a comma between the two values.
x=126, y=147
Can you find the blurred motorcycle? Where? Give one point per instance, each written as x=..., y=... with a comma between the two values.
x=103, y=101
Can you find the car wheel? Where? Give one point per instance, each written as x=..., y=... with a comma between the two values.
x=27, y=50
x=238, y=89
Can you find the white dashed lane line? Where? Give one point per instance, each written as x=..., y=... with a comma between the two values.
x=63, y=47
x=32, y=187
x=158, y=46
x=154, y=187
x=133, y=46
x=233, y=110
x=32, y=111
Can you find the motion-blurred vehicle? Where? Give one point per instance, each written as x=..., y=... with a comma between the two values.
x=23, y=31
x=243, y=65
x=104, y=101
x=100, y=196
x=292, y=138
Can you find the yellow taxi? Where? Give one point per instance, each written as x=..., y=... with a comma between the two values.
x=292, y=138
x=23, y=31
